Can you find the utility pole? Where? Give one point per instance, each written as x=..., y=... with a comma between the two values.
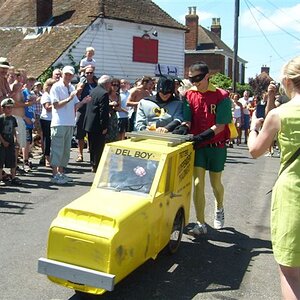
x=235, y=46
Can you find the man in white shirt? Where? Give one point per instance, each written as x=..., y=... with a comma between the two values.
x=64, y=104
x=123, y=114
x=245, y=102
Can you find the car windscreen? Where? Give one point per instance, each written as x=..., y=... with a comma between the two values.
x=127, y=173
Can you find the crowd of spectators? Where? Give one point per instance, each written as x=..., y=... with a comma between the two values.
x=45, y=117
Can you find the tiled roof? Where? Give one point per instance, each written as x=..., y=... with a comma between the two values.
x=208, y=40
x=38, y=54
x=205, y=36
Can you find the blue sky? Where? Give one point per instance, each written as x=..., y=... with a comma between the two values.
x=269, y=30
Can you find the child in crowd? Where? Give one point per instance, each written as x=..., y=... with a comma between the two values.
x=8, y=142
x=88, y=60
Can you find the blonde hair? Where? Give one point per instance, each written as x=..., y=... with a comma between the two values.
x=89, y=49
x=291, y=70
x=48, y=82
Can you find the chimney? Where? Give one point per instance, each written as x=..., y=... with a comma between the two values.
x=101, y=9
x=191, y=37
x=216, y=27
x=265, y=69
x=42, y=10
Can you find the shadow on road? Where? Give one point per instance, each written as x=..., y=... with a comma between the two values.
x=14, y=207
x=214, y=263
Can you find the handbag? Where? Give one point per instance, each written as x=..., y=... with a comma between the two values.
x=289, y=162
x=233, y=132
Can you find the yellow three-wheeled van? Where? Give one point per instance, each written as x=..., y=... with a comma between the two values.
x=138, y=204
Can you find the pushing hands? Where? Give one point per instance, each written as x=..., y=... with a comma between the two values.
x=161, y=130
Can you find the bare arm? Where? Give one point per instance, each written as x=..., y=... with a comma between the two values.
x=62, y=103
x=47, y=106
x=131, y=101
x=259, y=143
x=217, y=128
x=84, y=101
x=271, y=98
x=3, y=141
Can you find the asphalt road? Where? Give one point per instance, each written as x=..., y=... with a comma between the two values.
x=233, y=263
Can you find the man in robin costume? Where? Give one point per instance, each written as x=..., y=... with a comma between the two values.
x=207, y=112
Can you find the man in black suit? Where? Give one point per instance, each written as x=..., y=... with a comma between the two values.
x=96, y=119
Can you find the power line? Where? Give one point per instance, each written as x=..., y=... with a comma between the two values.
x=246, y=1
x=287, y=32
x=282, y=11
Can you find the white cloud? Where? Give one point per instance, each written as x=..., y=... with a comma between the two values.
x=286, y=18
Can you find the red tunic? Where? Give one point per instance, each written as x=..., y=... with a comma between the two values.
x=203, y=108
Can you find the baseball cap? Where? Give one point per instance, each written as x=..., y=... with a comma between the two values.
x=4, y=63
x=165, y=85
x=7, y=102
x=69, y=70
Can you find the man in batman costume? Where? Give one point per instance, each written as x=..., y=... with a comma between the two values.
x=162, y=112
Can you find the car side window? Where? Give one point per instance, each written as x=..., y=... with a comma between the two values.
x=167, y=180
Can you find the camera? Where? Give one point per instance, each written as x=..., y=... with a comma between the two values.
x=277, y=84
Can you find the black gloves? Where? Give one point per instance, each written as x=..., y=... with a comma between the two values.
x=181, y=129
x=172, y=125
x=204, y=136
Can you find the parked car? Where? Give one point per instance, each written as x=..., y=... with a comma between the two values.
x=138, y=205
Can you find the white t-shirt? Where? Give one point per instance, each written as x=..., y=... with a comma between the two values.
x=64, y=116
x=124, y=96
x=46, y=115
x=237, y=112
x=244, y=102
x=85, y=62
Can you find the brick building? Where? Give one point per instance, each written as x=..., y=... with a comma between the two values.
x=206, y=45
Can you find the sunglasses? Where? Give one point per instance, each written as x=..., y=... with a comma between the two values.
x=197, y=78
x=89, y=73
x=115, y=84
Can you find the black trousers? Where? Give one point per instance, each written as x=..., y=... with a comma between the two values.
x=96, y=146
x=131, y=122
x=45, y=126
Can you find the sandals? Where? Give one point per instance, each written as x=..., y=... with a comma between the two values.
x=79, y=158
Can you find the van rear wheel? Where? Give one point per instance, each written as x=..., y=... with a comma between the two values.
x=177, y=231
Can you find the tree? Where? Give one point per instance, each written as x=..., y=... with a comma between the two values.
x=240, y=88
x=260, y=83
x=222, y=81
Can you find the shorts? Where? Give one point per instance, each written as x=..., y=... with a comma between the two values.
x=246, y=124
x=7, y=157
x=237, y=122
x=80, y=133
x=61, y=137
x=123, y=124
x=21, y=132
x=29, y=135
x=211, y=159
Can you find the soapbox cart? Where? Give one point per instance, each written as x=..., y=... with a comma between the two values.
x=138, y=205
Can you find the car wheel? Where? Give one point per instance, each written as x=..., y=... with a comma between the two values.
x=177, y=231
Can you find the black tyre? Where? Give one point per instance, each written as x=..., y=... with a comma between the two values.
x=177, y=231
